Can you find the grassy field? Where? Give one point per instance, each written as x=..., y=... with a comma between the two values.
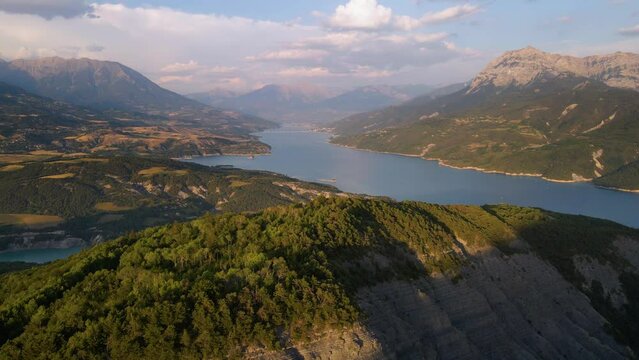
x=161, y=170
x=30, y=221
x=111, y=207
x=12, y=167
x=59, y=176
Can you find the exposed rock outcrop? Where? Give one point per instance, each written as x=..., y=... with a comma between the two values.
x=522, y=67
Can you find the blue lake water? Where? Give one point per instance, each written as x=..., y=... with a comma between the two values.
x=309, y=156
x=38, y=255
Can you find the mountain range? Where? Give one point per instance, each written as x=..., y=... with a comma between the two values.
x=116, y=95
x=528, y=112
x=303, y=103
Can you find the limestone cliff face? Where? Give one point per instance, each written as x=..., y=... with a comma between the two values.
x=521, y=67
x=514, y=306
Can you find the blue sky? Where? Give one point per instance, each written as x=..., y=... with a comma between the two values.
x=242, y=44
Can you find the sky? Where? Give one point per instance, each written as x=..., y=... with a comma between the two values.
x=191, y=46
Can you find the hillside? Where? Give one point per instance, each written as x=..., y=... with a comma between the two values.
x=107, y=85
x=549, y=123
x=30, y=122
x=343, y=278
x=68, y=201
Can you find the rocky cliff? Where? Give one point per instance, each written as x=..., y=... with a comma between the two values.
x=522, y=67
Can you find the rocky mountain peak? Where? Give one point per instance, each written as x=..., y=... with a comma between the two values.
x=524, y=66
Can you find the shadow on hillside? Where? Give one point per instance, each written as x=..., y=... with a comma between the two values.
x=516, y=298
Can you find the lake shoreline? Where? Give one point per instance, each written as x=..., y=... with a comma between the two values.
x=486, y=171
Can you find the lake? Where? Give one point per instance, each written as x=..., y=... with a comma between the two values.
x=308, y=156
x=38, y=255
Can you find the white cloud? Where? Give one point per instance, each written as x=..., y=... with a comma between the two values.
x=361, y=14
x=218, y=70
x=210, y=48
x=448, y=14
x=370, y=15
x=181, y=67
x=305, y=72
x=290, y=54
x=175, y=78
x=195, y=52
x=630, y=31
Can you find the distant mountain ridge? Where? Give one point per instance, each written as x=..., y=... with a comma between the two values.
x=110, y=85
x=528, y=112
x=314, y=104
x=94, y=83
x=524, y=66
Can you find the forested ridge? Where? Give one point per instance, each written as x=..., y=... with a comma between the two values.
x=224, y=285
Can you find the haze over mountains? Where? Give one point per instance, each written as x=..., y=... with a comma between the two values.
x=528, y=112
x=304, y=103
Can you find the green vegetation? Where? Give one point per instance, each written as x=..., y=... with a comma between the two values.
x=564, y=129
x=141, y=191
x=12, y=266
x=219, y=286
x=626, y=177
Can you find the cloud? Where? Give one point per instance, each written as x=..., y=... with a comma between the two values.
x=181, y=67
x=366, y=54
x=157, y=41
x=369, y=15
x=175, y=78
x=630, y=31
x=361, y=14
x=290, y=54
x=305, y=72
x=189, y=52
x=47, y=9
x=218, y=70
x=448, y=14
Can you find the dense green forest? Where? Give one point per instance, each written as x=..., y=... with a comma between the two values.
x=221, y=285
x=107, y=196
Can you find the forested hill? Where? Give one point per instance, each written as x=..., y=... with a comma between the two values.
x=347, y=277
x=66, y=201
